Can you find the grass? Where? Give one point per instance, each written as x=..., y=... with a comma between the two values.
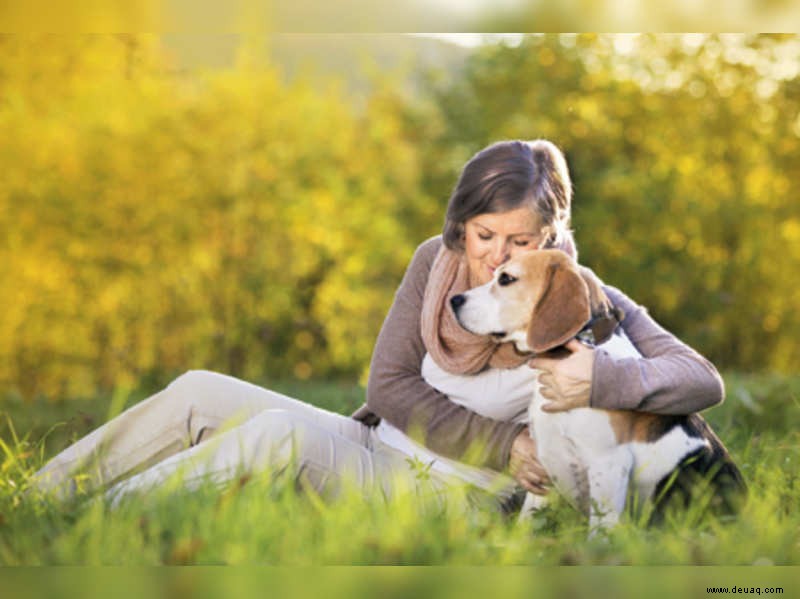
x=272, y=521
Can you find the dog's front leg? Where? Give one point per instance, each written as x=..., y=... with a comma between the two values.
x=609, y=475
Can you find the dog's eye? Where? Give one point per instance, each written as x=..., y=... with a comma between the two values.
x=505, y=279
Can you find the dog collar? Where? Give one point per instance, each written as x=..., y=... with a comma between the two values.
x=600, y=327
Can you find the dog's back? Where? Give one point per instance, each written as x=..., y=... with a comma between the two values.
x=705, y=473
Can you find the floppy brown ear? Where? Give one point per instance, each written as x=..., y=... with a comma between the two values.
x=562, y=310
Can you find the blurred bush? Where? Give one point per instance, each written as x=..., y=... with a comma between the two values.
x=685, y=153
x=156, y=220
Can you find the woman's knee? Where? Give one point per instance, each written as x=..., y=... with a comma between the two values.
x=190, y=403
x=191, y=379
x=195, y=387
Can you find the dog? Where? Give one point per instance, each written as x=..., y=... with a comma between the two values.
x=602, y=461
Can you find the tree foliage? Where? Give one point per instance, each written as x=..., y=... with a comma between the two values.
x=156, y=220
x=684, y=155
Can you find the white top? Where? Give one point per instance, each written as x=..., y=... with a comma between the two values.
x=502, y=394
x=498, y=393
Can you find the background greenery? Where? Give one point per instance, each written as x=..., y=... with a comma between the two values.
x=161, y=212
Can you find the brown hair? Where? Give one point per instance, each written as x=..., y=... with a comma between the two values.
x=508, y=175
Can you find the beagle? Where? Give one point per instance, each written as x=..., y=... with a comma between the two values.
x=600, y=460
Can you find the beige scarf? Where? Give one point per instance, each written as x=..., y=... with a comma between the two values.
x=452, y=347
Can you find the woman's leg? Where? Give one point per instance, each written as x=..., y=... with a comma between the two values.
x=186, y=412
x=327, y=449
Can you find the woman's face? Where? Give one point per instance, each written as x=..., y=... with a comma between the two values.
x=493, y=238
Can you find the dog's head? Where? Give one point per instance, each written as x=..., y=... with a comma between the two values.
x=539, y=301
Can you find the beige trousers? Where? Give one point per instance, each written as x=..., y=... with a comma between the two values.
x=243, y=428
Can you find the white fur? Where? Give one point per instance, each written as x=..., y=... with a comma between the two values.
x=481, y=313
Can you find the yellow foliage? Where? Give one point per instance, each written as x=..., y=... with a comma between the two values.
x=158, y=222
x=790, y=230
x=155, y=220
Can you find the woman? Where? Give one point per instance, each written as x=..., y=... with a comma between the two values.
x=511, y=197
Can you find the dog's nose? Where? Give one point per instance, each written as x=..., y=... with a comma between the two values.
x=457, y=301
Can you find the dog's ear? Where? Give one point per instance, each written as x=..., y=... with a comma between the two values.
x=562, y=310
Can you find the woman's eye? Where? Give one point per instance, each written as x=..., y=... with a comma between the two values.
x=484, y=236
x=505, y=279
x=523, y=244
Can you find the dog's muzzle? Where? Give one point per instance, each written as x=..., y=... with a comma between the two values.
x=456, y=302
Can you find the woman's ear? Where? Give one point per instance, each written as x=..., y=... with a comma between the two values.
x=561, y=311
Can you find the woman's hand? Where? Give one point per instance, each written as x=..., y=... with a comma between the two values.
x=525, y=466
x=566, y=382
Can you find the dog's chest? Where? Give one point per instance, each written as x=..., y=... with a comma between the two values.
x=568, y=444
x=576, y=435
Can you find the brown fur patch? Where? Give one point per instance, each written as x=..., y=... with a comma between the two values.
x=640, y=426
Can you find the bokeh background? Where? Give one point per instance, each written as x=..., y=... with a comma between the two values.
x=248, y=203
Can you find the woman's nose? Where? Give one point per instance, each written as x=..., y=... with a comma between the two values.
x=500, y=252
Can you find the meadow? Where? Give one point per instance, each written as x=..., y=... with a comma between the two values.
x=268, y=520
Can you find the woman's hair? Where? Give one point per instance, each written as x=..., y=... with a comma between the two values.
x=509, y=175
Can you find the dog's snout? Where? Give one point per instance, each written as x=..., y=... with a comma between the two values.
x=457, y=301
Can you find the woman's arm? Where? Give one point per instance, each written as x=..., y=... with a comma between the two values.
x=670, y=378
x=397, y=392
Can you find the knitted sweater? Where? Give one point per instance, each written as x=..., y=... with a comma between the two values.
x=670, y=378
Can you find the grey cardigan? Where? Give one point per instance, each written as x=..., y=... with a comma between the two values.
x=670, y=378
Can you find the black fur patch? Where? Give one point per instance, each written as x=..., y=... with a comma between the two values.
x=706, y=470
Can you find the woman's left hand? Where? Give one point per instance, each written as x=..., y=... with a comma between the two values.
x=566, y=382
